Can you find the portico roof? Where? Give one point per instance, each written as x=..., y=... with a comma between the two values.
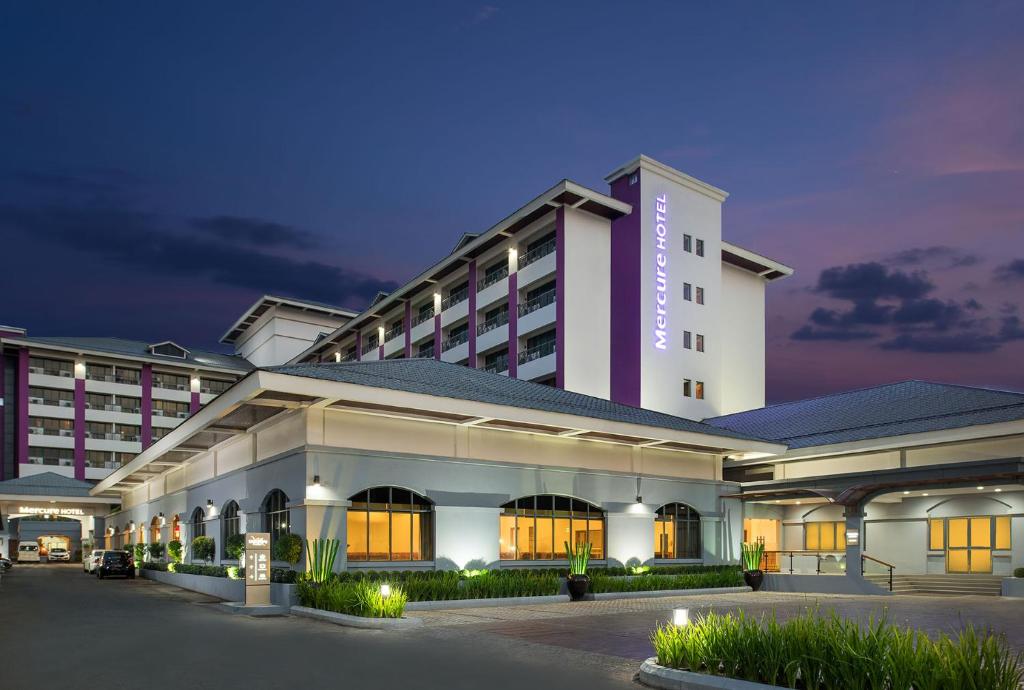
x=50, y=486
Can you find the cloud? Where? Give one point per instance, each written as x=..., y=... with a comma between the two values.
x=964, y=342
x=936, y=313
x=1011, y=329
x=1011, y=271
x=143, y=241
x=948, y=257
x=872, y=281
x=256, y=232
x=809, y=333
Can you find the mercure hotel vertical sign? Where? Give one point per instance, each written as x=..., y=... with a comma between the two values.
x=661, y=273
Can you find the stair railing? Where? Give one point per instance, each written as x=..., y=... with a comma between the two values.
x=890, y=566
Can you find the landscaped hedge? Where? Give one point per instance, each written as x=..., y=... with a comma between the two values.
x=353, y=597
x=655, y=581
x=280, y=575
x=832, y=653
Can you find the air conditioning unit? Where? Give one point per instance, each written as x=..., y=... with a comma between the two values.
x=35, y=459
x=183, y=415
x=182, y=386
x=112, y=408
x=114, y=437
x=36, y=370
x=67, y=374
x=35, y=401
x=66, y=403
x=70, y=432
x=36, y=430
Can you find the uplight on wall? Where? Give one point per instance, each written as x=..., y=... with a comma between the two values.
x=195, y=384
x=337, y=356
x=680, y=616
x=316, y=480
x=437, y=303
x=513, y=260
x=79, y=370
x=380, y=335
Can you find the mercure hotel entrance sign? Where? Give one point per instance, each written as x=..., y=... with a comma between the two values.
x=257, y=569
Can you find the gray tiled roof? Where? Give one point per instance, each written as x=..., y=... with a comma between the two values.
x=910, y=407
x=443, y=379
x=46, y=484
x=138, y=348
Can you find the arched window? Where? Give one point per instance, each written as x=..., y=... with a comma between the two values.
x=176, y=528
x=677, y=532
x=275, y=514
x=154, y=530
x=126, y=535
x=536, y=528
x=198, y=523
x=390, y=524
x=229, y=524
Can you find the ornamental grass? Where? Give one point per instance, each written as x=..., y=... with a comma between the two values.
x=355, y=598
x=830, y=653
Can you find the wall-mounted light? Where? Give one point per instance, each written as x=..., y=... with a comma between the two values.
x=437, y=302
x=195, y=384
x=337, y=356
x=998, y=491
x=680, y=616
x=209, y=503
x=513, y=264
x=316, y=480
x=852, y=537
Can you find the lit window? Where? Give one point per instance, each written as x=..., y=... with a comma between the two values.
x=936, y=540
x=677, y=532
x=536, y=528
x=700, y=295
x=686, y=339
x=824, y=536
x=198, y=523
x=390, y=524
x=700, y=343
x=700, y=390
x=686, y=387
x=687, y=291
x=230, y=524
x=1003, y=532
x=275, y=514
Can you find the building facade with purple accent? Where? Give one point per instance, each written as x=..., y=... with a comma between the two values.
x=631, y=296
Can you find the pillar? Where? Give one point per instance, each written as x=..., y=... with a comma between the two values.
x=513, y=313
x=80, y=420
x=854, y=539
x=560, y=297
x=472, y=314
x=146, y=405
x=437, y=325
x=407, y=327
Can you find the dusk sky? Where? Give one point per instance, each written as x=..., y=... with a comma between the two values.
x=163, y=165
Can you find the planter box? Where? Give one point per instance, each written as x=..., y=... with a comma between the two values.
x=1013, y=587
x=655, y=676
x=222, y=587
x=357, y=621
x=564, y=598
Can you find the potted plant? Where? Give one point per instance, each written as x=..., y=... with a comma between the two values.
x=174, y=550
x=139, y=553
x=234, y=547
x=752, y=573
x=203, y=548
x=156, y=550
x=578, y=581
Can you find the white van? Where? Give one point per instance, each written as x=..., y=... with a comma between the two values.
x=28, y=552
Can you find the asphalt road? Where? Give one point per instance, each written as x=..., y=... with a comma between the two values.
x=60, y=628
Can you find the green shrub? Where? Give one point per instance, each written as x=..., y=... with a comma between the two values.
x=203, y=548
x=579, y=558
x=356, y=598
x=752, y=554
x=654, y=581
x=831, y=653
x=321, y=553
x=1018, y=572
x=288, y=548
x=156, y=549
x=151, y=565
x=140, y=554
x=174, y=550
x=234, y=546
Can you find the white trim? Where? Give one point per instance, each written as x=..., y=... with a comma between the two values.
x=649, y=164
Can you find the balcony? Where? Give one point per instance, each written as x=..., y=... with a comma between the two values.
x=420, y=317
x=393, y=333
x=48, y=371
x=454, y=341
x=537, y=352
x=538, y=302
x=499, y=365
x=109, y=378
x=537, y=314
x=426, y=352
x=490, y=324
x=126, y=380
x=537, y=253
x=454, y=298
x=537, y=362
x=493, y=278
x=371, y=346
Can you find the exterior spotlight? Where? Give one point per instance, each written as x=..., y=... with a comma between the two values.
x=209, y=503
x=680, y=617
x=316, y=480
x=906, y=493
x=924, y=494
x=385, y=590
x=981, y=488
x=639, y=499
x=998, y=490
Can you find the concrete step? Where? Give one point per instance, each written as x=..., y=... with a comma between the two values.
x=957, y=585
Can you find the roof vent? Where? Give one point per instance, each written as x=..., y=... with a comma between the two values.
x=169, y=349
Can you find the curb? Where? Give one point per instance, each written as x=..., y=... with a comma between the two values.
x=654, y=676
x=357, y=621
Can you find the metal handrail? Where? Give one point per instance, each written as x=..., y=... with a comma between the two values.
x=420, y=317
x=494, y=277
x=537, y=253
x=455, y=298
x=494, y=322
x=879, y=561
x=765, y=560
x=539, y=302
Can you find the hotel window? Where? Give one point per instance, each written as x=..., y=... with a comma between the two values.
x=123, y=458
x=1002, y=532
x=677, y=532
x=99, y=372
x=129, y=432
x=425, y=311
x=154, y=530
x=687, y=385
x=699, y=390
x=230, y=525
x=98, y=401
x=214, y=386
x=426, y=349
x=538, y=346
x=51, y=396
x=456, y=295
x=538, y=249
x=536, y=528
x=700, y=247
x=158, y=432
x=170, y=408
x=687, y=292
x=51, y=367
x=496, y=362
x=198, y=523
x=102, y=430
x=700, y=343
x=47, y=426
x=64, y=457
x=824, y=536
x=686, y=339
x=700, y=295
x=99, y=458
x=687, y=243
x=129, y=376
x=493, y=273
x=390, y=524
x=275, y=514
x=936, y=534
x=128, y=404
x=172, y=382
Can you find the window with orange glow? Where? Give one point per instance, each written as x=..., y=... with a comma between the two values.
x=390, y=524
x=824, y=536
x=677, y=532
x=536, y=528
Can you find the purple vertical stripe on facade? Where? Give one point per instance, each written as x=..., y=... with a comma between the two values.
x=625, y=302
x=472, y=314
x=359, y=345
x=560, y=297
x=407, y=327
x=513, y=319
x=22, y=406
x=3, y=413
x=193, y=406
x=437, y=336
x=79, y=428
x=380, y=351
x=147, y=405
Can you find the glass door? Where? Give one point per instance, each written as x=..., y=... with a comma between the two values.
x=969, y=545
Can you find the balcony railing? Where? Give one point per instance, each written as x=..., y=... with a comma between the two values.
x=128, y=380
x=420, y=317
x=166, y=385
x=66, y=373
x=426, y=352
x=393, y=333
x=370, y=347
x=494, y=277
x=494, y=322
x=39, y=460
x=537, y=351
x=454, y=341
x=499, y=365
x=537, y=253
x=350, y=357
x=110, y=378
x=539, y=302
x=455, y=298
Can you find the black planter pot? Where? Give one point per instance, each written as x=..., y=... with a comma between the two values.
x=578, y=586
x=753, y=578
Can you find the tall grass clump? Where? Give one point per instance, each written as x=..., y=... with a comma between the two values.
x=355, y=598
x=811, y=652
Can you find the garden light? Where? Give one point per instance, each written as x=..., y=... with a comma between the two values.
x=385, y=590
x=680, y=616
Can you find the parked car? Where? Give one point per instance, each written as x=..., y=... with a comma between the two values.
x=5, y=563
x=115, y=563
x=91, y=560
x=59, y=553
x=28, y=552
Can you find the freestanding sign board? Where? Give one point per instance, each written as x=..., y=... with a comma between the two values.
x=257, y=569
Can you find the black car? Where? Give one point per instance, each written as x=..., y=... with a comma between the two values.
x=5, y=563
x=115, y=563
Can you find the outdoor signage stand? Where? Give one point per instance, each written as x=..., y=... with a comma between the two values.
x=257, y=569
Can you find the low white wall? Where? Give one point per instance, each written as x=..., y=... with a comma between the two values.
x=221, y=587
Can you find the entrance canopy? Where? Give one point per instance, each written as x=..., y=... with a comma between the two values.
x=51, y=494
x=858, y=488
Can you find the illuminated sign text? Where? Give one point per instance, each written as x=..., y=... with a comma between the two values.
x=661, y=275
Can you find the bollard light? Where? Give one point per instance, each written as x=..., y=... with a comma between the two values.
x=385, y=590
x=680, y=616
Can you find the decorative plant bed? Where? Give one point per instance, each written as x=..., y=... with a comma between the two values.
x=281, y=594
x=357, y=621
